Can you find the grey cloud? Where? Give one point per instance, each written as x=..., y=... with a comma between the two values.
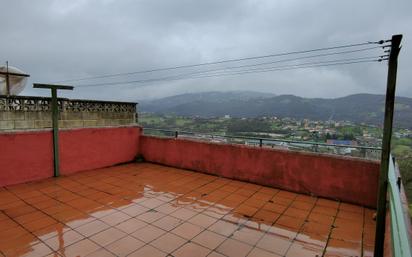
x=55, y=40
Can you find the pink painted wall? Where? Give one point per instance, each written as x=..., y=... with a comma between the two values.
x=25, y=156
x=86, y=149
x=28, y=156
x=348, y=179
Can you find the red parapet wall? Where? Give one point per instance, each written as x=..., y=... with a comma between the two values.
x=86, y=149
x=28, y=156
x=340, y=178
x=25, y=156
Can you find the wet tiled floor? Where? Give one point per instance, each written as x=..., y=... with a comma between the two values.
x=152, y=210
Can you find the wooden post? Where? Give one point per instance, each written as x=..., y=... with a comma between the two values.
x=386, y=145
x=7, y=74
x=7, y=79
x=55, y=124
x=55, y=121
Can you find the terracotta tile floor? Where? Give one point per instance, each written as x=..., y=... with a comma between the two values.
x=152, y=210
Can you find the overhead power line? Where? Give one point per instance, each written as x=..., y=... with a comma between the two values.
x=299, y=58
x=179, y=76
x=223, y=61
x=241, y=72
x=285, y=68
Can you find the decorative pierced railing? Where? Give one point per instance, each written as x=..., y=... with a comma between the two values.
x=31, y=103
x=29, y=112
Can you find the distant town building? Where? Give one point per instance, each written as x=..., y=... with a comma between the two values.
x=342, y=142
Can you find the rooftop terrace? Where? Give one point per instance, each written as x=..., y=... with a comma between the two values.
x=235, y=201
x=85, y=195
x=128, y=211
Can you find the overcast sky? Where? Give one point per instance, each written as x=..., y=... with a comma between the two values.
x=60, y=39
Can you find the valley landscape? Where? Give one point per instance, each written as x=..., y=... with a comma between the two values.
x=358, y=108
x=356, y=118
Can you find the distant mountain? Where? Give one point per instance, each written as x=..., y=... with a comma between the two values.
x=212, y=97
x=358, y=108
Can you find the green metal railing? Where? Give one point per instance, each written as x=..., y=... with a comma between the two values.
x=399, y=226
x=259, y=141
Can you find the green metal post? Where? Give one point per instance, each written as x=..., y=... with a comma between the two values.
x=386, y=145
x=55, y=122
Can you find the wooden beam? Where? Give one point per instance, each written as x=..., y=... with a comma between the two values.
x=14, y=74
x=51, y=86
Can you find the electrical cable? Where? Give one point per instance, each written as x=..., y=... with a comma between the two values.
x=277, y=68
x=223, y=61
